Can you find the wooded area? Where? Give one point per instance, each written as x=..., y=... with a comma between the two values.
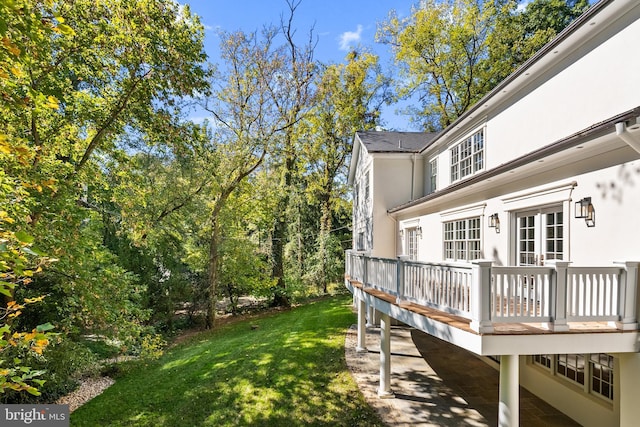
x=117, y=210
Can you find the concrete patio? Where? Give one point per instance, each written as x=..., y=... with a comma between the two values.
x=437, y=384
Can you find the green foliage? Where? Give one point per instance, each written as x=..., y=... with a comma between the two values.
x=452, y=52
x=64, y=363
x=75, y=76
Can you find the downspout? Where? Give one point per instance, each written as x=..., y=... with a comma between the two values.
x=413, y=175
x=632, y=140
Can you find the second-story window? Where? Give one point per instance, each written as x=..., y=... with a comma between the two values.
x=467, y=157
x=433, y=175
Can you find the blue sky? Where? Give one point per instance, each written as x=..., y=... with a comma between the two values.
x=338, y=25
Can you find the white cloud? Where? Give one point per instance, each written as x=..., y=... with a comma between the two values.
x=349, y=38
x=523, y=5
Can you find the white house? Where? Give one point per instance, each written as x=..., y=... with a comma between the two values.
x=515, y=231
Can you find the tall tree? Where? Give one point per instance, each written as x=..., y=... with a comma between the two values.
x=95, y=72
x=442, y=50
x=348, y=99
x=452, y=52
x=247, y=122
x=292, y=100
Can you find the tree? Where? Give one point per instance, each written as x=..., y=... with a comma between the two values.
x=292, y=100
x=452, y=52
x=348, y=99
x=442, y=50
x=75, y=76
x=247, y=122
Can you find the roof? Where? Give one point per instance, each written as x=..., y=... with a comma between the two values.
x=394, y=142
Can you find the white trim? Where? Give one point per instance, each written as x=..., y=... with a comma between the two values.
x=539, y=197
x=409, y=223
x=464, y=212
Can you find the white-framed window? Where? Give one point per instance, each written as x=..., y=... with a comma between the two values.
x=593, y=373
x=433, y=175
x=467, y=157
x=412, y=243
x=571, y=366
x=601, y=367
x=540, y=236
x=462, y=239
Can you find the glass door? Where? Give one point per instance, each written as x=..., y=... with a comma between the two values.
x=540, y=236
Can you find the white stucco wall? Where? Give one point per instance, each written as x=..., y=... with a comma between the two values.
x=391, y=187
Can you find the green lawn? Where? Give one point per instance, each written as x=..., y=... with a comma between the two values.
x=288, y=371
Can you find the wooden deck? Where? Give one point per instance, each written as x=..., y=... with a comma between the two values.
x=499, y=328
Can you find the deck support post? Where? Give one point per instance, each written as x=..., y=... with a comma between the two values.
x=362, y=327
x=629, y=295
x=384, y=390
x=371, y=316
x=509, y=407
x=481, y=297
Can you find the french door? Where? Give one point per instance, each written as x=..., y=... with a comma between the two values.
x=540, y=236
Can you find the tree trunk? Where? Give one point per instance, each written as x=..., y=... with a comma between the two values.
x=325, y=229
x=214, y=271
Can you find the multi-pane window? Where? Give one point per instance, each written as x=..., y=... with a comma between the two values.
x=571, y=366
x=468, y=156
x=412, y=243
x=597, y=368
x=543, y=360
x=602, y=374
x=433, y=175
x=462, y=239
x=553, y=239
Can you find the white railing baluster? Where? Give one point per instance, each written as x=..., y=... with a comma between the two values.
x=554, y=294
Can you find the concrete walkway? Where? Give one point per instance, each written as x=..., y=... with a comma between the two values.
x=437, y=384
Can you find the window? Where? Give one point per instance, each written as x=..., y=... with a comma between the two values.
x=571, y=366
x=602, y=375
x=540, y=236
x=433, y=175
x=597, y=368
x=412, y=243
x=462, y=239
x=468, y=156
x=544, y=360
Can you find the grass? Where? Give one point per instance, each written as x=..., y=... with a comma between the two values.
x=284, y=369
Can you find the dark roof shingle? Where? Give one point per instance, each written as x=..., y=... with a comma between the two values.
x=395, y=142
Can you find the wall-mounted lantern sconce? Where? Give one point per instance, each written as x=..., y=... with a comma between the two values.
x=584, y=209
x=419, y=231
x=494, y=222
x=401, y=233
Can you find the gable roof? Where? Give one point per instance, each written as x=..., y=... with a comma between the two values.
x=387, y=142
x=394, y=142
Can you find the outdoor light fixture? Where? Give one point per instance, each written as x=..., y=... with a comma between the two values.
x=401, y=233
x=584, y=209
x=419, y=231
x=494, y=221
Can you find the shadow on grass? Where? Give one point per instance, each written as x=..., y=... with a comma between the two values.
x=281, y=369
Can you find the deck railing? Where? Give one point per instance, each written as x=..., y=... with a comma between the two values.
x=553, y=294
